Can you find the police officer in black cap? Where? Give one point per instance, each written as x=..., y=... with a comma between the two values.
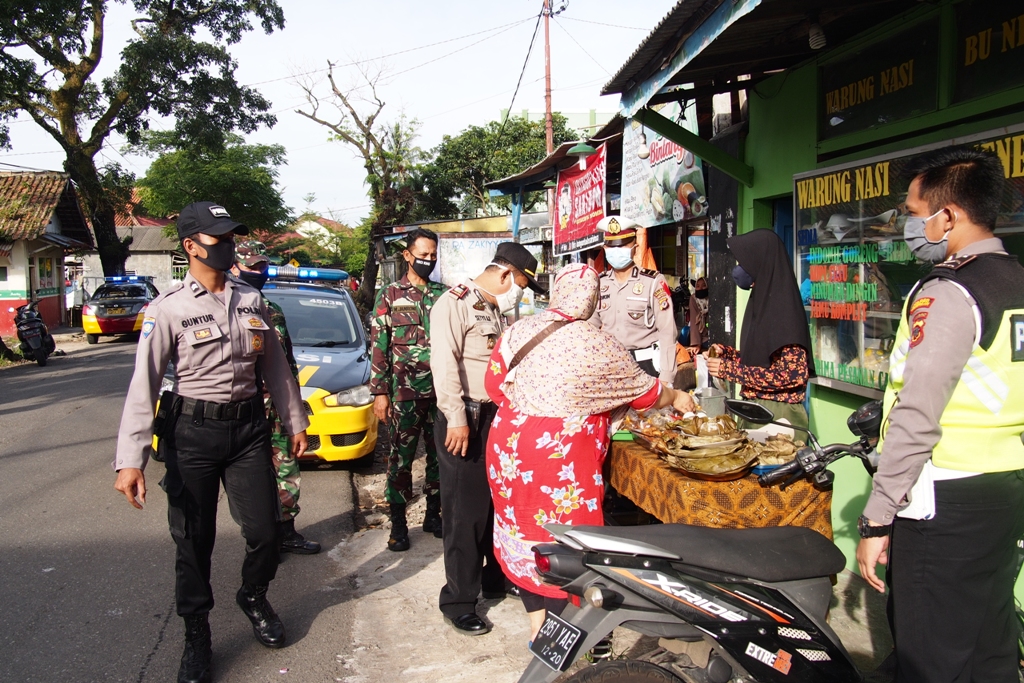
x=465, y=324
x=212, y=427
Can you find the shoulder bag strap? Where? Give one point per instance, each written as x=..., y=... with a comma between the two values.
x=537, y=339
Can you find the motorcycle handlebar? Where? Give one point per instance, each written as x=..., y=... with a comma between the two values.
x=781, y=473
x=797, y=466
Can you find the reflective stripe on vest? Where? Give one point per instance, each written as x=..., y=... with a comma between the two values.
x=984, y=418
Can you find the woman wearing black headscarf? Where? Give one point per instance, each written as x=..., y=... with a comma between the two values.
x=774, y=360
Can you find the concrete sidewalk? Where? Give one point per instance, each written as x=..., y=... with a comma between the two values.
x=398, y=632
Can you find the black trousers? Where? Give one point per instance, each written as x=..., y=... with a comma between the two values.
x=199, y=455
x=646, y=365
x=952, y=577
x=468, y=514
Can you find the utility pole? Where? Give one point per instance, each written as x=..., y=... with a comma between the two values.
x=548, y=126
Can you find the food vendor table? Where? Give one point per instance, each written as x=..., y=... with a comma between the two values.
x=671, y=496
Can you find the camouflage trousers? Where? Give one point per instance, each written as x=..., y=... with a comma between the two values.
x=287, y=468
x=408, y=420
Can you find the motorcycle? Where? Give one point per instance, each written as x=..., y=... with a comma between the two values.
x=36, y=341
x=739, y=605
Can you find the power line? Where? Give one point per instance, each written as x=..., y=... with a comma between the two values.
x=395, y=54
x=529, y=51
x=507, y=28
x=559, y=24
x=600, y=23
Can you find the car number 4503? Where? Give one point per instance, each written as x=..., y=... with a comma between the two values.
x=555, y=642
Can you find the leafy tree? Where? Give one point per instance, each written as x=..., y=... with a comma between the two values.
x=453, y=182
x=49, y=53
x=242, y=178
x=386, y=149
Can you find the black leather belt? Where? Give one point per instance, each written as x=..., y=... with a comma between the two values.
x=237, y=410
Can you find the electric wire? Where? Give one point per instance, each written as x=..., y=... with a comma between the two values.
x=526, y=61
x=566, y=31
x=395, y=54
x=601, y=23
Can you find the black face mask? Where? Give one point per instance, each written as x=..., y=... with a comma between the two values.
x=253, y=279
x=219, y=256
x=423, y=267
x=700, y=293
x=742, y=278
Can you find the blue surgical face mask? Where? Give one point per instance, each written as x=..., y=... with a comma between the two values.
x=742, y=278
x=924, y=248
x=619, y=257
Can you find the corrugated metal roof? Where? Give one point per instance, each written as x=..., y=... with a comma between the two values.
x=674, y=27
x=148, y=238
x=772, y=37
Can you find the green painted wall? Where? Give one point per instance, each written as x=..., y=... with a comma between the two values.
x=781, y=142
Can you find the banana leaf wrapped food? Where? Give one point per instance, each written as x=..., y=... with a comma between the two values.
x=702, y=447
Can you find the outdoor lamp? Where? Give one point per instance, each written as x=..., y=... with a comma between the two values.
x=643, y=151
x=550, y=185
x=582, y=150
x=816, y=37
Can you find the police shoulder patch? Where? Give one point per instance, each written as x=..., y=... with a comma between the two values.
x=917, y=329
x=147, y=326
x=459, y=291
x=920, y=304
x=648, y=272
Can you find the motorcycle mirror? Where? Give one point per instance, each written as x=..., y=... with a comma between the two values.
x=749, y=411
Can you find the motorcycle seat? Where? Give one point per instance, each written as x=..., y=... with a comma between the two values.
x=773, y=554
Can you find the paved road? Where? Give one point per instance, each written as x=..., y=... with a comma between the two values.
x=87, y=590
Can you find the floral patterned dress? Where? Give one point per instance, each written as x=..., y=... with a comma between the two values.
x=542, y=470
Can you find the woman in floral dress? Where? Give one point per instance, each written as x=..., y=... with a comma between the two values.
x=548, y=440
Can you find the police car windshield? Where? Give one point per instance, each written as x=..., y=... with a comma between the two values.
x=120, y=292
x=317, y=320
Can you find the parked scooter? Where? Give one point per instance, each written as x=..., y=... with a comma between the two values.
x=36, y=340
x=740, y=605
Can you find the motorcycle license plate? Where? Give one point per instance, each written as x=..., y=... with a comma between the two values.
x=555, y=642
x=116, y=311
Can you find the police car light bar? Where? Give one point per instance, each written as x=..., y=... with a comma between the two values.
x=306, y=273
x=128, y=278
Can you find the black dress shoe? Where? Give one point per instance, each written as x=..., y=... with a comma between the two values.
x=196, y=660
x=469, y=624
x=266, y=625
x=513, y=591
x=294, y=542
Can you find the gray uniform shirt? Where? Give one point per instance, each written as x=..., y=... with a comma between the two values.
x=638, y=312
x=932, y=371
x=463, y=332
x=213, y=345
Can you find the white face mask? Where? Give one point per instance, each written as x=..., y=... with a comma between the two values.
x=508, y=302
x=619, y=257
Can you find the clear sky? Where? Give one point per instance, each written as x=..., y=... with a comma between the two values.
x=465, y=81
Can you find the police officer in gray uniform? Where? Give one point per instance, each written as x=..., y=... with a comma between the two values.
x=212, y=427
x=635, y=304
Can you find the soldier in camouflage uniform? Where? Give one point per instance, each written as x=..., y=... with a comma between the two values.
x=251, y=267
x=401, y=381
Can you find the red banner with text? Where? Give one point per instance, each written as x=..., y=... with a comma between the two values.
x=580, y=202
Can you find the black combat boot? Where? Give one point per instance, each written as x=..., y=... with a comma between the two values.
x=294, y=542
x=265, y=623
x=399, y=539
x=196, y=661
x=432, y=519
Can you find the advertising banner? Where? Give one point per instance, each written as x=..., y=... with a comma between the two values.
x=580, y=200
x=661, y=181
x=854, y=267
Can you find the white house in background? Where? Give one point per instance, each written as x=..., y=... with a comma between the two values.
x=321, y=230
x=41, y=219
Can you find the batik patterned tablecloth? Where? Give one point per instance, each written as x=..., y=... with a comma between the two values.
x=671, y=496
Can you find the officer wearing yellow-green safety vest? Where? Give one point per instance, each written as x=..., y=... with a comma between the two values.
x=947, y=502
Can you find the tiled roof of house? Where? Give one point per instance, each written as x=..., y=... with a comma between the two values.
x=28, y=200
x=134, y=214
